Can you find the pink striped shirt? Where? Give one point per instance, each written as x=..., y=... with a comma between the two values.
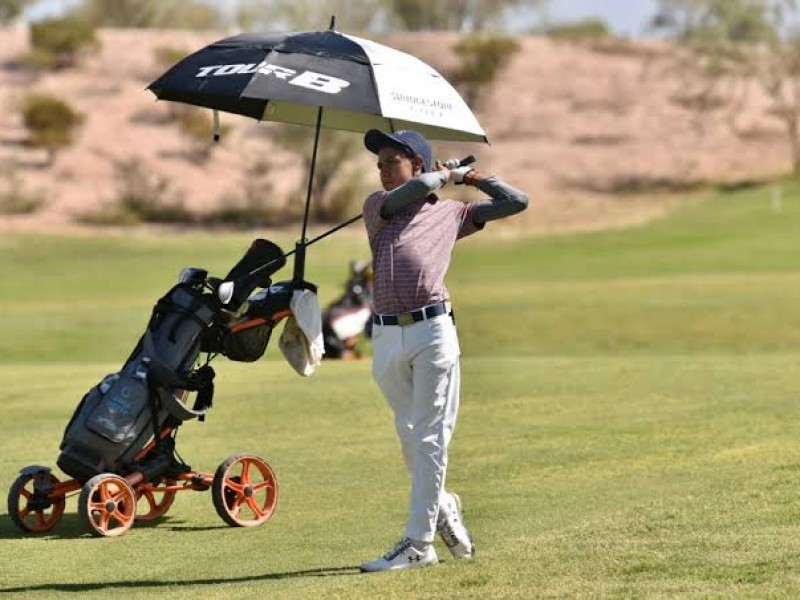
x=411, y=251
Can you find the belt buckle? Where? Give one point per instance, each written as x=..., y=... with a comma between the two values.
x=404, y=319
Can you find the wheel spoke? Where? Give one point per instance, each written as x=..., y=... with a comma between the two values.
x=40, y=517
x=246, y=464
x=120, y=517
x=257, y=510
x=25, y=493
x=234, y=486
x=263, y=485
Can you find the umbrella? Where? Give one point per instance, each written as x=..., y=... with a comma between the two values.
x=323, y=79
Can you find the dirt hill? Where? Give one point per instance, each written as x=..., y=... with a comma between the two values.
x=594, y=133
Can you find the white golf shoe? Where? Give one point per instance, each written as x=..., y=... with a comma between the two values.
x=403, y=556
x=450, y=525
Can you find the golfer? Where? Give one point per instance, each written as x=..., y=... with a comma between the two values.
x=415, y=346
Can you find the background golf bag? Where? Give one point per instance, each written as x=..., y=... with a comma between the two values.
x=116, y=418
x=348, y=318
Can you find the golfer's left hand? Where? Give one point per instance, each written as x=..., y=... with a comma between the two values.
x=452, y=163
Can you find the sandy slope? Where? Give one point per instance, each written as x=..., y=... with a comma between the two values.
x=569, y=124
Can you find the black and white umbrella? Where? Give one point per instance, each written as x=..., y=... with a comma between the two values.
x=323, y=79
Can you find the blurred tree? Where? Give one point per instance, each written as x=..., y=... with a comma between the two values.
x=51, y=122
x=336, y=175
x=585, y=29
x=733, y=44
x=59, y=43
x=365, y=15
x=454, y=15
x=11, y=9
x=482, y=58
x=380, y=15
x=161, y=14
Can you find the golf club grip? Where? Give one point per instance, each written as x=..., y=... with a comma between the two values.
x=467, y=160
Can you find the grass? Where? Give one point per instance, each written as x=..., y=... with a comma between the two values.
x=629, y=424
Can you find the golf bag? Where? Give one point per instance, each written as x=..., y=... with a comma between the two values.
x=349, y=317
x=116, y=418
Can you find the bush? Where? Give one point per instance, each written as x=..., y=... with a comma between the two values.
x=14, y=198
x=142, y=197
x=58, y=43
x=257, y=205
x=11, y=9
x=197, y=126
x=51, y=122
x=482, y=59
x=167, y=56
x=587, y=29
x=150, y=14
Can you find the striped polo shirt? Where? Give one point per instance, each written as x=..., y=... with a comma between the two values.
x=411, y=250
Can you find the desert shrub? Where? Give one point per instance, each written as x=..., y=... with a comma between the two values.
x=11, y=9
x=150, y=14
x=15, y=199
x=51, y=122
x=197, y=126
x=58, y=43
x=333, y=170
x=167, y=56
x=255, y=205
x=585, y=29
x=142, y=197
x=483, y=56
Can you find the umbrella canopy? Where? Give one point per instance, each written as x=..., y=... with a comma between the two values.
x=324, y=79
x=287, y=77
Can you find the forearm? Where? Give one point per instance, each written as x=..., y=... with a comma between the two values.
x=504, y=200
x=415, y=189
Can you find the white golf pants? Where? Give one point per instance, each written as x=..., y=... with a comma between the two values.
x=417, y=369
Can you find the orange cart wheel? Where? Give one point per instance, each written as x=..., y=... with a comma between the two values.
x=152, y=504
x=31, y=506
x=107, y=505
x=245, y=491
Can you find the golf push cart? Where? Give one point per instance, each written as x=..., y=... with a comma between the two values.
x=119, y=446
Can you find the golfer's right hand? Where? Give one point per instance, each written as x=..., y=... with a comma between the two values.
x=457, y=175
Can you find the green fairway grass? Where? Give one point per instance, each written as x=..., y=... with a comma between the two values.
x=630, y=424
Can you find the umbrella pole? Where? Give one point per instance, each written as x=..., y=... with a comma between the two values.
x=300, y=246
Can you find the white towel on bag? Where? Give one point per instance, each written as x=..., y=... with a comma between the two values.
x=301, y=341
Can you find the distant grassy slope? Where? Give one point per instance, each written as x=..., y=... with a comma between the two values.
x=721, y=275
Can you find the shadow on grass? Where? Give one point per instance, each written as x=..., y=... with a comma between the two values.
x=112, y=585
x=71, y=527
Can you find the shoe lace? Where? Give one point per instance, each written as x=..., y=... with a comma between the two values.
x=446, y=526
x=448, y=533
x=399, y=548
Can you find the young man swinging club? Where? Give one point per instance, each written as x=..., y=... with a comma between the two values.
x=415, y=346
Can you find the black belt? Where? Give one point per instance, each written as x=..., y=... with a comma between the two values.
x=409, y=318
